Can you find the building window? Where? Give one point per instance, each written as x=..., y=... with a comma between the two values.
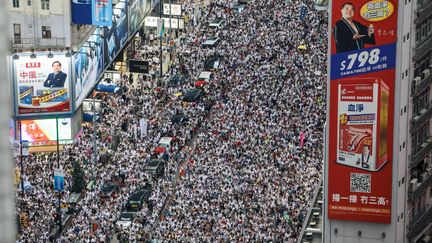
x=46, y=32
x=15, y=3
x=29, y=2
x=45, y=4
x=17, y=33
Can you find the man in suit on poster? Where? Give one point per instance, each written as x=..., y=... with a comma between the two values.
x=349, y=34
x=57, y=78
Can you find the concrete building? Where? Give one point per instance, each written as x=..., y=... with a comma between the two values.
x=43, y=24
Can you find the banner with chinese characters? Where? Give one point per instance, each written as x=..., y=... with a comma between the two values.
x=42, y=85
x=361, y=104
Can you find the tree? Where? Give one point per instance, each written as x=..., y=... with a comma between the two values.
x=78, y=178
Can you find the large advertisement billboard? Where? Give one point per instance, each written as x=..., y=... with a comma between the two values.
x=137, y=10
x=93, y=12
x=362, y=76
x=89, y=64
x=116, y=35
x=42, y=85
x=44, y=132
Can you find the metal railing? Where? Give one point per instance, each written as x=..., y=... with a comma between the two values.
x=413, y=194
x=421, y=116
x=420, y=152
x=419, y=221
x=37, y=43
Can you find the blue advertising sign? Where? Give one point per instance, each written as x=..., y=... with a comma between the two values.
x=89, y=64
x=102, y=12
x=94, y=12
x=58, y=180
x=117, y=34
x=369, y=60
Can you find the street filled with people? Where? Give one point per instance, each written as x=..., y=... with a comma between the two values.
x=245, y=154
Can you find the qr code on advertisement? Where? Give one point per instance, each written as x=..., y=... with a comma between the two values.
x=360, y=182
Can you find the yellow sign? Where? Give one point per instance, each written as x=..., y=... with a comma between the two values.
x=377, y=10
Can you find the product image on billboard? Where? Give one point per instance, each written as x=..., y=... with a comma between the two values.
x=88, y=64
x=361, y=110
x=44, y=131
x=102, y=12
x=362, y=105
x=42, y=85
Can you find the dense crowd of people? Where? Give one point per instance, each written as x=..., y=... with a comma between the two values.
x=250, y=151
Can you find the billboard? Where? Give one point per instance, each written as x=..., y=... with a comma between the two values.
x=43, y=132
x=42, y=85
x=361, y=101
x=137, y=11
x=117, y=34
x=88, y=64
x=93, y=12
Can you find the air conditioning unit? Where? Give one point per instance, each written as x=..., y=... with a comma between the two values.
x=413, y=184
x=426, y=73
x=417, y=80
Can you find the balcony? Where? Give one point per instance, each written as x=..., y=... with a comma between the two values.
x=420, y=118
x=418, y=189
x=422, y=48
x=419, y=222
x=419, y=153
x=425, y=10
x=38, y=43
x=420, y=83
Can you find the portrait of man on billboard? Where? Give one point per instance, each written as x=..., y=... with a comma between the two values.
x=365, y=158
x=349, y=34
x=57, y=78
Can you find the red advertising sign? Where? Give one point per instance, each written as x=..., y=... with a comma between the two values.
x=363, y=47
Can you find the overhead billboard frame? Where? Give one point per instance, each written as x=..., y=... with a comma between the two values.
x=42, y=85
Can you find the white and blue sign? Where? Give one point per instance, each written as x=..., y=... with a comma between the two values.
x=58, y=180
x=102, y=12
x=367, y=60
x=92, y=12
x=117, y=34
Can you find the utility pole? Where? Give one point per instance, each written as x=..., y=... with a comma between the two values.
x=7, y=192
x=160, y=40
x=58, y=167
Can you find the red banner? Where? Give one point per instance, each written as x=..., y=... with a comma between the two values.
x=361, y=104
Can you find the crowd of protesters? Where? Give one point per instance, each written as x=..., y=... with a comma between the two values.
x=250, y=151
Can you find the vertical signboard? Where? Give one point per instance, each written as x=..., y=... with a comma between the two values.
x=362, y=77
x=137, y=11
x=94, y=12
x=88, y=64
x=42, y=85
x=117, y=34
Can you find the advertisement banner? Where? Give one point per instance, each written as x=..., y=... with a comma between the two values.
x=137, y=11
x=81, y=11
x=137, y=66
x=362, y=76
x=88, y=64
x=42, y=85
x=117, y=34
x=58, y=180
x=102, y=12
x=44, y=132
x=92, y=12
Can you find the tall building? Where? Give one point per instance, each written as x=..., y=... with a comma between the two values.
x=416, y=115
x=409, y=217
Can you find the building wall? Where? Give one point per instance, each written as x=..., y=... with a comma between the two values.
x=32, y=18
